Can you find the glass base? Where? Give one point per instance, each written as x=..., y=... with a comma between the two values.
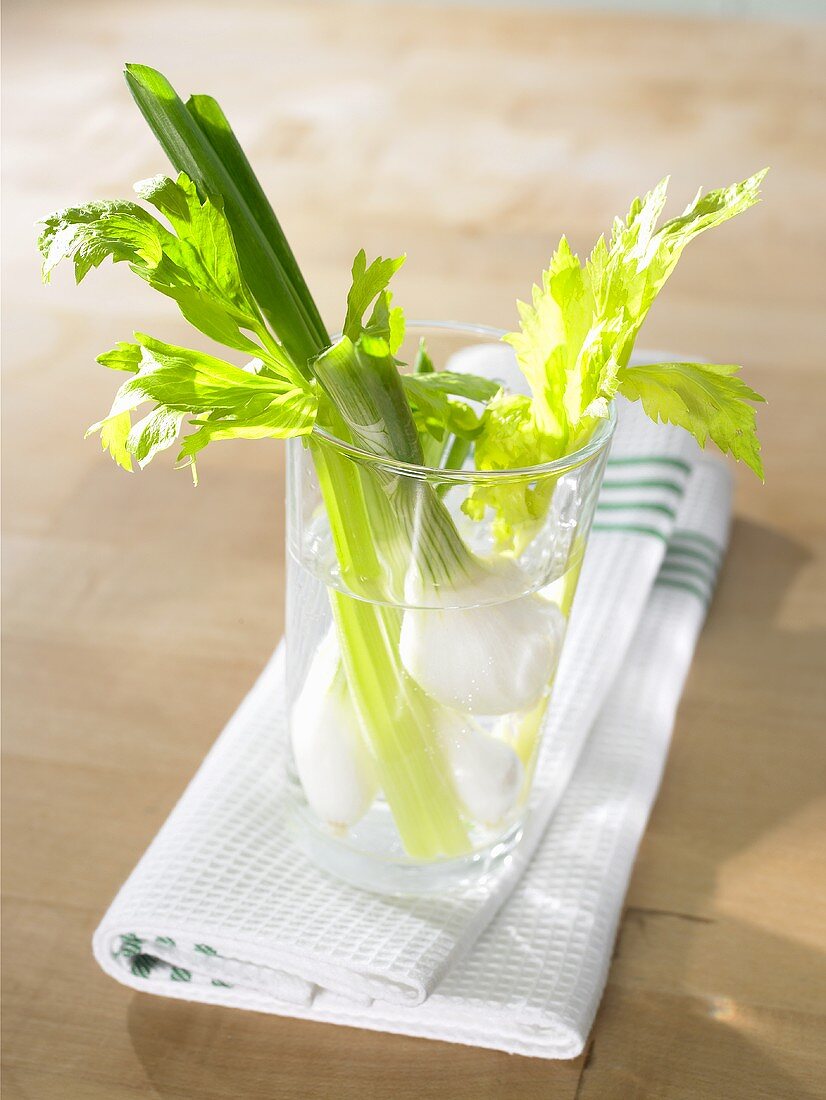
x=391, y=874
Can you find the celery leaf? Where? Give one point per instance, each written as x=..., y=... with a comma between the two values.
x=222, y=400
x=368, y=283
x=575, y=342
x=196, y=265
x=707, y=399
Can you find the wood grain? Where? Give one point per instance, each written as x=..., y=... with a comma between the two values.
x=137, y=611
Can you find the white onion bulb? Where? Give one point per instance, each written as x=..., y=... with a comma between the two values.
x=333, y=763
x=490, y=659
x=487, y=773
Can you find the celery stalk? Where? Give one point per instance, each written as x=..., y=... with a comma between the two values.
x=397, y=722
x=395, y=716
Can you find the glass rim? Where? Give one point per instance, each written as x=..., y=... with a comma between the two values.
x=600, y=438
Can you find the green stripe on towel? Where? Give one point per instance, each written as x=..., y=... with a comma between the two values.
x=684, y=586
x=694, y=554
x=688, y=570
x=702, y=540
x=642, y=505
x=631, y=528
x=675, y=463
x=646, y=483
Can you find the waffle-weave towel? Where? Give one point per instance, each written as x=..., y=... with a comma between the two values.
x=224, y=908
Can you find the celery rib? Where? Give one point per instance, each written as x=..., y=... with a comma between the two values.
x=396, y=722
x=394, y=715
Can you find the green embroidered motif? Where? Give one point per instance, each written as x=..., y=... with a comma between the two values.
x=223, y=985
x=164, y=941
x=130, y=945
x=178, y=974
x=143, y=965
x=205, y=949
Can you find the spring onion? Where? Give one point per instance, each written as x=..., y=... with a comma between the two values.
x=456, y=654
x=487, y=773
x=333, y=763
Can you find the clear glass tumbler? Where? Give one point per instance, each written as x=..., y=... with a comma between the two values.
x=426, y=613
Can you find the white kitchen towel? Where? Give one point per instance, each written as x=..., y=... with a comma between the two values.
x=223, y=908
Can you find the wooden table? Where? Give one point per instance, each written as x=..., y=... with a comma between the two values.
x=137, y=611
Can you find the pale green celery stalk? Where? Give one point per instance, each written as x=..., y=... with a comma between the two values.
x=455, y=448
x=397, y=718
x=404, y=525
x=342, y=491
x=457, y=452
x=368, y=393
x=570, y=579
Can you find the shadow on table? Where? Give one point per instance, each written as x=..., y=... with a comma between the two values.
x=205, y=1052
x=672, y=968
x=651, y=1038
x=683, y=1043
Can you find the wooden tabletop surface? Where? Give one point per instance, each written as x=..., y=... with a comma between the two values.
x=137, y=610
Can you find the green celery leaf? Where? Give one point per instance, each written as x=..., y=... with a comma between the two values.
x=435, y=412
x=439, y=416
x=368, y=282
x=114, y=432
x=204, y=226
x=196, y=382
x=512, y=439
x=707, y=399
x=155, y=432
x=471, y=386
x=209, y=317
x=430, y=407
x=122, y=357
x=284, y=415
x=578, y=333
x=386, y=322
x=575, y=343
x=627, y=276
x=553, y=329
x=423, y=363
x=86, y=235
x=198, y=267
x=224, y=401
